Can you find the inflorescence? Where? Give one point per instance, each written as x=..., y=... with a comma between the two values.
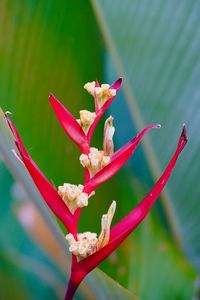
x=87, y=248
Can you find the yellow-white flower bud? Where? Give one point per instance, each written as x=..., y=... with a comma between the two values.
x=94, y=161
x=70, y=239
x=109, y=130
x=105, y=161
x=86, y=119
x=84, y=160
x=73, y=196
x=84, y=245
x=82, y=200
x=89, y=86
x=101, y=93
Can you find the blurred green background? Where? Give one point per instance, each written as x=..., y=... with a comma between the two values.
x=58, y=46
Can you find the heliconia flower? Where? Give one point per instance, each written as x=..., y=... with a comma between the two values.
x=87, y=249
x=121, y=230
x=81, y=136
x=118, y=159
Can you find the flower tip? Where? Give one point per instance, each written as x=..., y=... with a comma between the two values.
x=113, y=206
x=183, y=139
x=184, y=134
x=118, y=83
x=158, y=126
x=51, y=97
x=110, y=119
x=96, y=83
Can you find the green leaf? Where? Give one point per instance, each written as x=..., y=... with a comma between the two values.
x=155, y=47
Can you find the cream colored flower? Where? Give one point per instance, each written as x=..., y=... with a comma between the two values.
x=86, y=119
x=73, y=196
x=102, y=93
x=94, y=161
x=87, y=243
x=89, y=86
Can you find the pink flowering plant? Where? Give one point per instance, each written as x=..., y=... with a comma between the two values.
x=88, y=249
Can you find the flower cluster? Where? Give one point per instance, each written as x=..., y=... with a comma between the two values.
x=88, y=249
x=73, y=196
x=87, y=242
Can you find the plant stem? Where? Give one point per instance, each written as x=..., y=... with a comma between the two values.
x=76, y=277
x=71, y=289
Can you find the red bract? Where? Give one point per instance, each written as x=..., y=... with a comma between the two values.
x=88, y=250
x=70, y=124
x=48, y=192
x=118, y=159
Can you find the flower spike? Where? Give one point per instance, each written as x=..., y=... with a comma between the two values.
x=48, y=192
x=118, y=159
x=69, y=124
x=88, y=250
x=121, y=230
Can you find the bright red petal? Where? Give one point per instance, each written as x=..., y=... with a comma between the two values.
x=69, y=124
x=121, y=230
x=100, y=112
x=48, y=192
x=118, y=160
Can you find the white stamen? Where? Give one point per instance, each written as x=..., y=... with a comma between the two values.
x=94, y=161
x=89, y=86
x=73, y=196
x=102, y=93
x=86, y=119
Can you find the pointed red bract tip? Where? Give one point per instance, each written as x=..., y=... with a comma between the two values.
x=117, y=84
x=183, y=138
x=97, y=83
x=69, y=124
